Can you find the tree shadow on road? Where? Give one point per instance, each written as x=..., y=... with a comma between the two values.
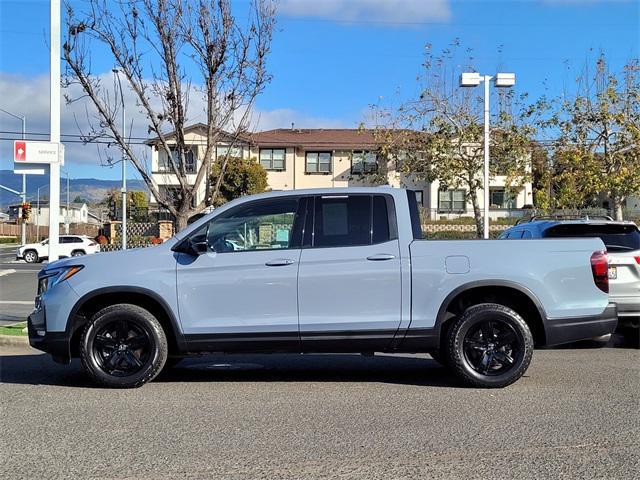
x=404, y=370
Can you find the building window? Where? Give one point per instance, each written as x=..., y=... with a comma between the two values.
x=272, y=158
x=190, y=160
x=419, y=197
x=318, y=162
x=363, y=162
x=452, y=201
x=234, y=152
x=499, y=198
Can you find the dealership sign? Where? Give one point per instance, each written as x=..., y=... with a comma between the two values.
x=37, y=152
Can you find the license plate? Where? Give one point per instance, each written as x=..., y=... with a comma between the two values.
x=613, y=273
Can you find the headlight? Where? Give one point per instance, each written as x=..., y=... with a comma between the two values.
x=52, y=277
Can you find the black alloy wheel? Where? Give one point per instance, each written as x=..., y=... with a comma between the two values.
x=121, y=348
x=489, y=346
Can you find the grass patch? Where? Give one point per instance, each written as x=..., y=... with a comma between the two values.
x=15, y=330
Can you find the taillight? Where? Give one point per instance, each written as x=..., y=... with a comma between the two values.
x=638, y=260
x=600, y=270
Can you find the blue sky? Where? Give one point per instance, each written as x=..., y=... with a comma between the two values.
x=331, y=59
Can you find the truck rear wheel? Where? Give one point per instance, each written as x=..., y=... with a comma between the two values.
x=123, y=346
x=490, y=346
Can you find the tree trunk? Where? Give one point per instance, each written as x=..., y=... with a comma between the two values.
x=181, y=220
x=477, y=214
x=616, y=206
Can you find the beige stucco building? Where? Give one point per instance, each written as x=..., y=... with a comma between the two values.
x=321, y=158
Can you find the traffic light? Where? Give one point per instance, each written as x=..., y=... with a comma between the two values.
x=26, y=211
x=113, y=212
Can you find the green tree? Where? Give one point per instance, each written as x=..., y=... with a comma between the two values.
x=241, y=177
x=439, y=135
x=599, y=128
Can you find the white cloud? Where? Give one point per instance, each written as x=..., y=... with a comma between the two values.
x=29, y=96
x=384, y=11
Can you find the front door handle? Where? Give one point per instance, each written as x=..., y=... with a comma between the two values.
x=379, y=257
x=280, y=262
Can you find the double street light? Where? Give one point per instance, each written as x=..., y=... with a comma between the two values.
x=500, y=80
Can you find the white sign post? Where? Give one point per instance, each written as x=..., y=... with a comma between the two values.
x=54, y=115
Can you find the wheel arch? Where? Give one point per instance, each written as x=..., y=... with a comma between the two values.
x=92, y=302
x=507, y=293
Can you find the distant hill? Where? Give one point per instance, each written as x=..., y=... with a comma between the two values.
x=90, y=189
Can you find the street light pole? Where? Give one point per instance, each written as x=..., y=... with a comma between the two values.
x=66, y=217
x=473, y=79
x=124, y=166
x=23, y=119
x=487, y=79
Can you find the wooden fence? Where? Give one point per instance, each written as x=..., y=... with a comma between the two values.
x=33, y=232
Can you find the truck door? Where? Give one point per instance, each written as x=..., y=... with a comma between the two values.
x=241, y=294
x=349, y=285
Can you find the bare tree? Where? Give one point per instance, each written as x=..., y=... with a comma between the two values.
x=439, y=136
x=168, y=51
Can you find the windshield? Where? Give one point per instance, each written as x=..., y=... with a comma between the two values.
x=617, y=238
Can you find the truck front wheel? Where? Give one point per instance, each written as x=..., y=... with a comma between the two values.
x=123, y=346
x=490, y=346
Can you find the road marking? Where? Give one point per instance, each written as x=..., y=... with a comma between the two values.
x=16, y=302
x=7, y=272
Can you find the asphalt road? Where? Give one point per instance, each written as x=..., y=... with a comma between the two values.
x=576, y=414
x=18, y=283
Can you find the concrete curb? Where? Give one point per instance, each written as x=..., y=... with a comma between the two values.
x=14, y=341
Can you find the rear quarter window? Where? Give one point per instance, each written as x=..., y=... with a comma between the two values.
x=617, y=238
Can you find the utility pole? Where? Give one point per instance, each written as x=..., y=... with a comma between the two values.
x=66, y=217
x=54, y=117
x=23, y=119
x=124, y=166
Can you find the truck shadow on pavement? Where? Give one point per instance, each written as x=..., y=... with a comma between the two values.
x=405, y=370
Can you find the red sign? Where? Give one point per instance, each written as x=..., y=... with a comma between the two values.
x=19, y=151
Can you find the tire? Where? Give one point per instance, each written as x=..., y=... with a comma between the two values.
x=490, y=346
x=31, y=256
x=78, y=253
x=123, y=346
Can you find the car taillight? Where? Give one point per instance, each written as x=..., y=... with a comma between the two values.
x=92, y=244
x=600, y=270
x=638, y=260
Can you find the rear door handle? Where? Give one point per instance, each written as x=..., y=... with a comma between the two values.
x=379, y=257
x=280, y=262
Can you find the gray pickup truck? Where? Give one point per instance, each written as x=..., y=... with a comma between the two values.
x=332, y=270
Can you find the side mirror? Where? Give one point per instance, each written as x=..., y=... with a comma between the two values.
x=199, y=247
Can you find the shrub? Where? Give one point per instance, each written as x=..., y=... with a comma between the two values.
x=155, y=240
x=102, y=240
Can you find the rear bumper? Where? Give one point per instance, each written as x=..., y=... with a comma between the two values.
x=566, y=330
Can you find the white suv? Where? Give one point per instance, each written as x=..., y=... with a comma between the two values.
x=70, y=246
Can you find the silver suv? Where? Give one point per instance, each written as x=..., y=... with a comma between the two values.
x=622, y=240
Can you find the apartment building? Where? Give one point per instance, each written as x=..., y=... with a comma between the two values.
x=319, y=158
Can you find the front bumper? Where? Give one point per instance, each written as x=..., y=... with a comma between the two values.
x=573, y=329
x=57, y=344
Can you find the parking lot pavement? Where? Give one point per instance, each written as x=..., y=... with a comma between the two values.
x=18, y=283
x=574, y=415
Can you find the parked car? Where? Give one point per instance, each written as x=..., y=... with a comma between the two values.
x=70, y=246
x=327, y=270
x=622, y=240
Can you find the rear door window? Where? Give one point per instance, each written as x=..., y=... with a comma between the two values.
x=616, y=237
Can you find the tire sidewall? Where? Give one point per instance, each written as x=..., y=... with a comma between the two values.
x=469, y=320
x=32, y=254
x=144, y=320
